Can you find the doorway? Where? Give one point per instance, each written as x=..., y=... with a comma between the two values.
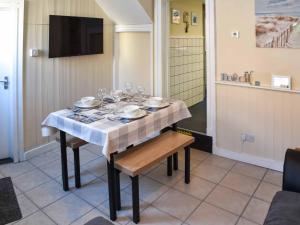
x=187, y=77
x=11, y=45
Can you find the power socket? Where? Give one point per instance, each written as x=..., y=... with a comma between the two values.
x=247, y=138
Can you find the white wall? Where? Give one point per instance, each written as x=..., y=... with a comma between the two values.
x=135, y=59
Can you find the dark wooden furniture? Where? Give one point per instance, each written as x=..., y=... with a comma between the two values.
x=73, y=143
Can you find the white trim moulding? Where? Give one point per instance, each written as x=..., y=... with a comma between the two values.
x=134, y=28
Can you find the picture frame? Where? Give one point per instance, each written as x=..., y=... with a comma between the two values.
x=176, y=16
x=281, y=82
x=195, y=19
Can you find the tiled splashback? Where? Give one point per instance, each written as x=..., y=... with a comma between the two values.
x=186, y=69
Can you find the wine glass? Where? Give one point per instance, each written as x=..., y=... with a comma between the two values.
x=101, y=93
x=128, y=87
x=140, y=91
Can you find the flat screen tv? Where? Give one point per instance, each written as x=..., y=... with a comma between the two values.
x=74, y=36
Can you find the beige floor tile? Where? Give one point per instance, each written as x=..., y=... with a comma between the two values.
x=160, y=174
x=256, y=211
x=198, y=187
x=125, y=215
x=26, y=206
x=67, y=209
x=229, y=200
x=46, y=194
x=181, y=164
x=125, y=180
x=266, y=191
x=207, y=214
x=274, y=177
x=153, y=216
x=150, y=190
x=210, y=173
x=53, y=169
x=91, y=215
x=177, y=204
x=97, y=167
x=249, y=170
x=218, y=161
x=94, y=193
x=85, y=156
x=85, y=176
x=38, y=218
x=30, y=180
x=15, y=169
x=45, y=158
x=241, y=183
x=199, y=155
x=243, y=221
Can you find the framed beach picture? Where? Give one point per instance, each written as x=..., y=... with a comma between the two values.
x=176, y=16
x=194, y=19
x=277, y=23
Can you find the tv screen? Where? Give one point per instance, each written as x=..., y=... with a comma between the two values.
x=74, y=36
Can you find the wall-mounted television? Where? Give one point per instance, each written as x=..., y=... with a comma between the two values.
x=75, y=36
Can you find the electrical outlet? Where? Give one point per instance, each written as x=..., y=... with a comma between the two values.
x=247, y=138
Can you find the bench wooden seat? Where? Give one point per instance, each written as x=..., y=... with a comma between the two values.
x=142, y=157
x=74, y=143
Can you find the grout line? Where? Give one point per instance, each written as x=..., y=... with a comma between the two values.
x=252, y=196
x=217, y=184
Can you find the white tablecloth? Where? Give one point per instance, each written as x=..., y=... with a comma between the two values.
x=115, y=136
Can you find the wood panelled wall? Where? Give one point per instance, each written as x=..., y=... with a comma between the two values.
x=271, y=116
x=52, y=84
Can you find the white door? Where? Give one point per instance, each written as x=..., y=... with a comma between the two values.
x=8, y=47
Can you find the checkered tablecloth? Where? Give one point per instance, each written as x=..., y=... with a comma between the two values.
x=115, y=136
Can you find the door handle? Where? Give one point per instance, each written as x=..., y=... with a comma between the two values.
x=5, y=82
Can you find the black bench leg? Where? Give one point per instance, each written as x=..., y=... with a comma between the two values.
x=175, y=161
x=77, y=167
x=187, y=164
x=118, y=191
x=64, y=162
x=169, y=166
x=111, y=188
x=135, y=199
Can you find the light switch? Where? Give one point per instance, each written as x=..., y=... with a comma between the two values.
x=33, y=52
x=235, y=34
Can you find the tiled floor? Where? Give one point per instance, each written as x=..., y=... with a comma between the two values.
x=221, y=192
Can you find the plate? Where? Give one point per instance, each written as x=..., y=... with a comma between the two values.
x=162, y=105
x=79, y=104
x=141, y=114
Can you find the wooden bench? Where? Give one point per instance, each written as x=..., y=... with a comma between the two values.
x=142, y=157
x=73, y=143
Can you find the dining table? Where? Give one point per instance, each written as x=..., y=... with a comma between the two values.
x=105, y=127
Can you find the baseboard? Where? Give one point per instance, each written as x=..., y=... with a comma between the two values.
x=40, y=150
x=255, y=160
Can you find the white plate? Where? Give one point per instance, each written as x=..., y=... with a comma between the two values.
x=79, y=104
x=141, y=114
x=162, y=105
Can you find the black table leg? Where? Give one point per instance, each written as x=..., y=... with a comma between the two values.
x=175, y=161
x=135, y=199
x=111, y=188
x=118, y=191
x=64, y=162
x=169, y=166
x=77, y=167
x=187, y=164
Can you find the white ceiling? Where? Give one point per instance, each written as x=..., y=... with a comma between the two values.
x=125, y=12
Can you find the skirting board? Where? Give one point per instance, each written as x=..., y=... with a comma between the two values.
x=40, y=150
x=255, y=160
